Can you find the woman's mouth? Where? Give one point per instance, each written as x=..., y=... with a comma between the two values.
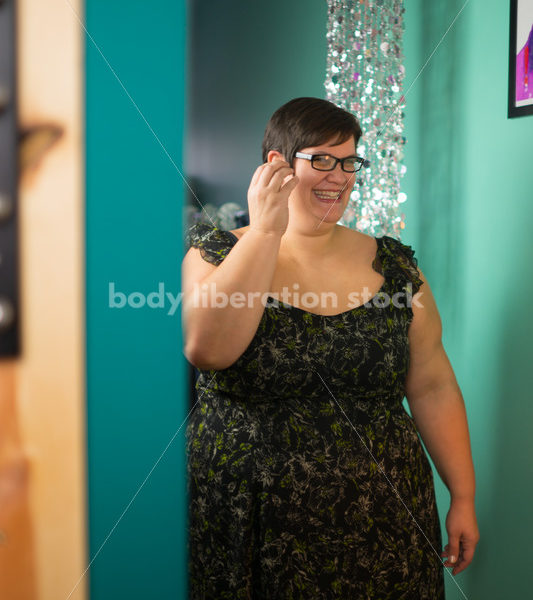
x=328, y=197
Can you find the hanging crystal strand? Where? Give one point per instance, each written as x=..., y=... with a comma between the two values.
x=364, y=75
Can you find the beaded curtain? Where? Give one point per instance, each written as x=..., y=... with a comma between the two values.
x=364, y=76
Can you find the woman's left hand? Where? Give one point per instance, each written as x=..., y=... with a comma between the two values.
x=463, y=535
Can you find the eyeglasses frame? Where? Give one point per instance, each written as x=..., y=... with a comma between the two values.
x=363, y=162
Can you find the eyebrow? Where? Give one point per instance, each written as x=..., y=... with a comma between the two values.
x=333, y=155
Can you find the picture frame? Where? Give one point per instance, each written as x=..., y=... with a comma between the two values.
x=520, y=58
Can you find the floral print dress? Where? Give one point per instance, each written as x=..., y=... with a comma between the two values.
x=306, y=476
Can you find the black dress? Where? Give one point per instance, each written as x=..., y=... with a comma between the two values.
x=306, y=476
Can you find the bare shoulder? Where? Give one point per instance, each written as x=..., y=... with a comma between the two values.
x=352, y=241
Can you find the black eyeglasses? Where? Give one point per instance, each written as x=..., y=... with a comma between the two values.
x=326, y=162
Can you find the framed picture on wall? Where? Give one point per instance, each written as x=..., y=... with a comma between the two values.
x=521, y=59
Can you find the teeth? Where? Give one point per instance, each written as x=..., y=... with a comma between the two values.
x=327, y=194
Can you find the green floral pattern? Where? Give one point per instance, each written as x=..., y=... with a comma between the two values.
x=306, y=476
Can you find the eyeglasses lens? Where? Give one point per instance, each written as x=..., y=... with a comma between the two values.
x=324, y=163
x=328, y=163
x=351, y=165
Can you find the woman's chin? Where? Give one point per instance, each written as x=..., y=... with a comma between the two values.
x=326, y=212
x=333, y=209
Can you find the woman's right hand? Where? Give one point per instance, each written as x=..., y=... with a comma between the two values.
x=268, y=196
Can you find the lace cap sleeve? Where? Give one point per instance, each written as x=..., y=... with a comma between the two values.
x=214, y=243
x=400, y=262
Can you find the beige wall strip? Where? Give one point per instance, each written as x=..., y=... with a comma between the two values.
x=43, y=392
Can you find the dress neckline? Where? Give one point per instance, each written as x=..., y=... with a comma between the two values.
x=377, y=257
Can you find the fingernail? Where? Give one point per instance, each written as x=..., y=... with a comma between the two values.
x=452, y=558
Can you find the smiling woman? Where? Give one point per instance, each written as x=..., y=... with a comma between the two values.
x=306, y=475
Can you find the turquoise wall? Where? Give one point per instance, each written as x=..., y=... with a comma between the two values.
x=469, y=214
x=136, y=380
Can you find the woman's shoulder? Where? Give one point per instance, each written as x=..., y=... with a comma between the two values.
x=214, y=243
x=208, y=229
x=352, y=236
x=352, y=241
x=204, y=230
x=393, y=258
x=400, y=261
x=361, y=239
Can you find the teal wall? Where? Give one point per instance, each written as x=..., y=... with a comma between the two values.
x=136, y=379
x=469, y=215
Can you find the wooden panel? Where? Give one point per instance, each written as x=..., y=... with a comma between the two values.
x=42, y=406
x=17, y=560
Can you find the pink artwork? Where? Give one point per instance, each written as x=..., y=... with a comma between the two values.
x=524, y=71
x=520, y=58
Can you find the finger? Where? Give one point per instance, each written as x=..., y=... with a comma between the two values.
x=257, y=173
x=290, y=185
x=268, y=169
x=274, y=174
x=461, y=565
x=280, y=167
x=280, y=177
x=278, y=163
x=466, y=555
x=453, y=551
x=444, y=552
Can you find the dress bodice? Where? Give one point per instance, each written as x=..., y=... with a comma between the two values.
x=362, y=352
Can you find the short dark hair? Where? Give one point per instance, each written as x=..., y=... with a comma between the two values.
x=306, y=122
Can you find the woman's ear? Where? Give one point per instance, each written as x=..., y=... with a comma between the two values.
x=273, y=154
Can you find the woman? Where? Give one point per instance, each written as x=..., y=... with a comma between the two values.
x=307, y=478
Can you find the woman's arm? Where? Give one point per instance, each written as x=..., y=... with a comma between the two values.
x=436, y=401
x=215, y=337
x=438, y=410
